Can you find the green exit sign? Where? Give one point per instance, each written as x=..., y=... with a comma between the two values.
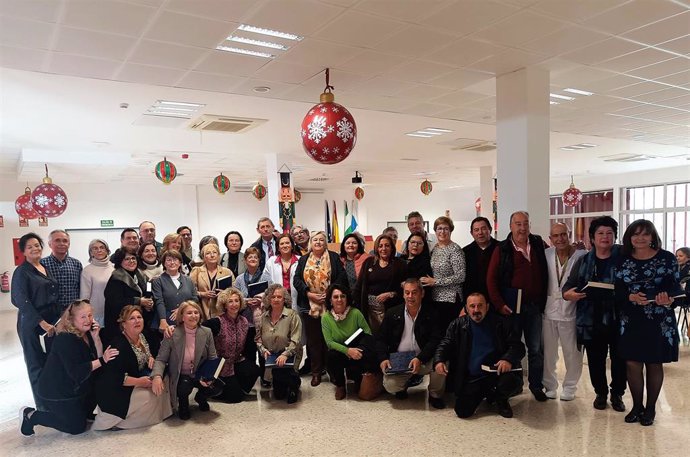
x=107, y=223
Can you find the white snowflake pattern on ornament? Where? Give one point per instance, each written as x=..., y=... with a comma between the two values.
x=335, y=109
x=303, y=133
x=345, y=130
x=311, y=112
x=317, y=129
x=336, y=150
x=330, y=129
x=323, y=109
x=42, y=200
x=326, y=150
x=60, y=201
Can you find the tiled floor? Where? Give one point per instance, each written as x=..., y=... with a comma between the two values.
x=319, y=425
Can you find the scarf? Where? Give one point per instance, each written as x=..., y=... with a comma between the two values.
x=100, y=263
x=340, y=317
x=317, y=276
x=230, y=342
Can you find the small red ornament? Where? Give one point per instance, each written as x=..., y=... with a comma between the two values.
x=23, y=205
x=165, y=171
x=359, y=193
x=426, y=187
x=221, y=184
x=48, y=199
x=329, y=132
x=259, y=191
x=572, y=195
x=298, y=195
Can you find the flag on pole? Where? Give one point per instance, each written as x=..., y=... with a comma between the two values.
x=350, y=222
x=336, y=229
x=329, y=234
x=354, y=224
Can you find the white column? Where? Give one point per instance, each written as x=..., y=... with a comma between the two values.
x=522, y=132
x=272, y=187
x=486, y=192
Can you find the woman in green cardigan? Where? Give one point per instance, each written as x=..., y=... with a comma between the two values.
x=338, y=324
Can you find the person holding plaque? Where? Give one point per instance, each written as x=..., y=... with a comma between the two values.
x=210, y=279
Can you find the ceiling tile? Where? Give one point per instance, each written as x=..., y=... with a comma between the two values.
x=463, y=18
x=579, y=76
x=460, y=79
x=484, y=104
x=678, y=79
x=37, y=10
x=341, y=81
x=678, y=102
x=108, y=16
x=578, y=10
x=664, y=30
x=507, y=62
x=426, y=109
x=680, y=45
x=358, y=29
x=605, y=50
x=371, y=63
x=636, y=89
x=375, y=102
x=637, y=59
x=320, y=53
x=167, y=55
x=93, y=44
x=87, y=67
x=427, y=93
x=209, y=82
x=632, y=15
x=418, y=71
x=564, y=40
x=486, y=87
x=661, y=95
x=459, y=98
x=148, y=74
x=414, y=41
x=662, y=69
x=189, y=30
x=302, y=17
x=26, y=34
x=384, y=86
x=465, y=51
x=247, y=88
x=226, y=63
x=603, y=86
x=409, y=10
x=287, y=72
x=221, y=10
x=519, y=29
x=22, y=59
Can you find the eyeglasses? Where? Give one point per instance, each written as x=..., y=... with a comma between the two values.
x=443, y=229
x=130, y=259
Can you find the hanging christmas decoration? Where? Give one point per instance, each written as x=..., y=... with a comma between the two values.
x=259, y=191
x=23, y=205
x=572, y=195
x=426, y=187
x=166, y=171
x=359, y=193
x=329, y=132
x=298, y=196
x=221, y=184
x=478, y=205
x=48, y=199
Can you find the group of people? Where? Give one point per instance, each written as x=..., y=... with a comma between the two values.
x=128, y=335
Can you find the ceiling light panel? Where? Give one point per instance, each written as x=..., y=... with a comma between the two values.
x=170, y=108
x=578, y=92
x=263, y=44
x=561, y=97
x=273, y=33
x=245, y=52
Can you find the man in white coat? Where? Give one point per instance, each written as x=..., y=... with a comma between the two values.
x=559, y=316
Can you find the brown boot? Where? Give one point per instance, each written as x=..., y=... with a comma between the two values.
x=371, y=387
x=340, y=392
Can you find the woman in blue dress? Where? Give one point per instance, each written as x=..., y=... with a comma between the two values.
x=646, y=282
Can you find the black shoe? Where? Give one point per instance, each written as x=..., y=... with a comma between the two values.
x=539, y=395
x=415, y=380
x=634, y=415
x=504, y=408
x=600, y=402
x=291, y=396
x=183, y=413
x=27, y=428
x=436, y=403
x=279, y=394
x=402, y=395
x=266, y=384
x=617, y=403
x=203, y=404
x=647, y=418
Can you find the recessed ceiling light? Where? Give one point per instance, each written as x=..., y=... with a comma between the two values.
x=180, y=104
x=589, y=145
x=577, y=146
x=246, y=52
x=261, y=89
x=275, y=33
x=566, y=148
x=434, y=129
x=578, y=91
x=551, y=102
x=427, y=132
x=265, y=44
x=562, y=97
x=419, y=135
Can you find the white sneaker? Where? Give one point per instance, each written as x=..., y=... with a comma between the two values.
x=567, y=396
x=552, y=394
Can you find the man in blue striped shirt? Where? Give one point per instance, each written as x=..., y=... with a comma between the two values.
x=66, y=269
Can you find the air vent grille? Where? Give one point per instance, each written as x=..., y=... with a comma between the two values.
x=226, y=124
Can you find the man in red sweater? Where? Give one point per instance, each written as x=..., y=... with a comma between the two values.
x=519, y=264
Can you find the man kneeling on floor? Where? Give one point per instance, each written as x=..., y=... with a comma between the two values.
x=483, y=352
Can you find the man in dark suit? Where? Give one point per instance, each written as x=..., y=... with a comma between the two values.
x=477, y=256
x=266, y=244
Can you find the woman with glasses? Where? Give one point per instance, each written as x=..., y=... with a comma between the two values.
x=448, y=267
x=175, y=242
x=170, y=289
x=233, y=258
x=645, y=287
x=95, y=276
x=126, y=286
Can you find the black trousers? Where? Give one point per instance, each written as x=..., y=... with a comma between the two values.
x=185, y=385
x=603, y=343
x=34, y=357
x=316, y=345
x=447, y=312
x=250, y=350
x=237, y=386
x=495, y=387
x=529, y=322
x=285, y=379
x=339, y=364
x=68, y=415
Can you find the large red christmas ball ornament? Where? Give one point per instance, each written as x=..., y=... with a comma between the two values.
x=259, y=191
x=426, y=187
x=23, y=205
x=165, y=171
x=359, y=193
x=572, y=196
x=48, y=199
x=221, y=184
x=329, y=132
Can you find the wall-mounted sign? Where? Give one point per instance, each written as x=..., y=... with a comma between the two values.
x=107, y=223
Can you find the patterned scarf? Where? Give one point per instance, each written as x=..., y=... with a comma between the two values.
x=317, y=276
x=230, y=342
x=340, y=317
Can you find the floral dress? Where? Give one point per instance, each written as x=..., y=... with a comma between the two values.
x=647, y=333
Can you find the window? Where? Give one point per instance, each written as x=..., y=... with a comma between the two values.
x=593, y=204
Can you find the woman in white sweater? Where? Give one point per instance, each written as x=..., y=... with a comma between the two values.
x=95, y=276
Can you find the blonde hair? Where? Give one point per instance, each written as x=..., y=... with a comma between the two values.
x=126, y=312
x=186, y=304
x=320, y=232
x=169, y=238
x=224, y=298
x=208, y=247
x=66, y=324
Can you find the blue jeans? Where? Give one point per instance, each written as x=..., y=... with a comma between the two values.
x=529, y=323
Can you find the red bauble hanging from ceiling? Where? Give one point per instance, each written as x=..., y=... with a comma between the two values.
x=165, y=171
x=359, y=193
x=426, y=187
x=23, y=205
x=48, y=199
x=221, y=184
x=329, y=132
x=572, y=195
x=259, y=191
